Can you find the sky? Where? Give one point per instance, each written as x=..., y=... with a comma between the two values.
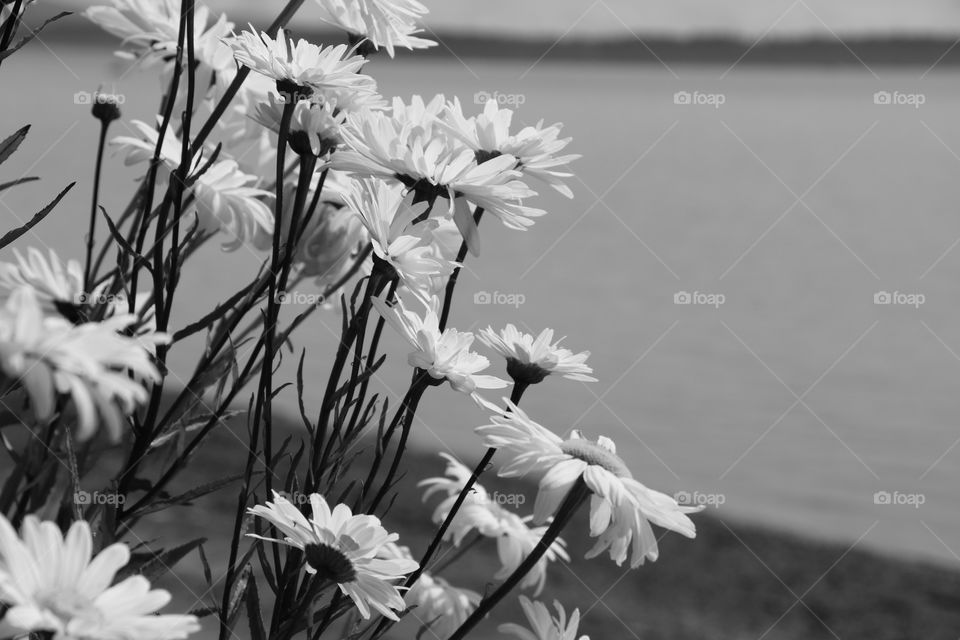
x=748, y=19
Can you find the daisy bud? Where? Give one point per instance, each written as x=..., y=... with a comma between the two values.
x=106, y=108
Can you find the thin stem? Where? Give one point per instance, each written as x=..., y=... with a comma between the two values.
x=89, y=275
x=452, y=281
x=577, y=496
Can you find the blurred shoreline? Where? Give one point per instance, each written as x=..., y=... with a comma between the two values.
x=653, y=49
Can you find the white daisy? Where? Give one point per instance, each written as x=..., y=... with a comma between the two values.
x=314, y=128
x=52, y=280
x=153, y=28
x=530, y=359
x=621, y=509
x=482, y=512
x=543, y=626
x=306, y=66
x=534, y=147
x=225, y=197
x=54, y=589
x=385, y=24
x=102, y=370
x=344, y=548
x=388, y=215
x=443, y=355
x=439, y=606
x=410, y=147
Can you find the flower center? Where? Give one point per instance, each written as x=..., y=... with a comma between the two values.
x=483, y=155
x=528, y=372
x=592, y=453
x=329, y=562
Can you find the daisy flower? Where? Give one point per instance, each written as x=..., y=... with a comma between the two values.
x=52, y=280
x=543, y=626
x=153, y=28
x=314, y=128
x=102, y=370
x=225, y=197
x=305, y=65
x=51, y=587
x=534, y=147
x=344, y=548
x=439, y=606
x=443, y=355
x=410, y=147
x=385, y=24
x=482, y=512
x=621, y=509
x=388, y=214
x=531, y=359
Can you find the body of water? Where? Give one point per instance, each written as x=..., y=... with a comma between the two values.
x=784, y=200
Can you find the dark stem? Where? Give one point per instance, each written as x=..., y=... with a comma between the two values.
x=452, y=282
x=89, y=275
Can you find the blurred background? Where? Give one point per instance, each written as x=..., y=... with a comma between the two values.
x=761, y=254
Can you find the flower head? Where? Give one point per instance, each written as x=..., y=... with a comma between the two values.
x=483, y=513
x=345, y=548
x=444, y=355
x=306, y=66
x=51, y=586
x=543, y=626
x=385, y=24
x=530, y=359
x=389, y=216
x=90, y=363
x=621, y=509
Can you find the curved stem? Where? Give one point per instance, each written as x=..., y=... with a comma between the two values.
x=452, y=282
x=89, y=275
x=577, y=496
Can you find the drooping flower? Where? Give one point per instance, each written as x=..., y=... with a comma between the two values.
x=50, y=585
x=225, y=197
x=306, y=66
x=439, y=606
x=444, y=355
x=345, y=548
x=385, y=24
x=483, y=512
x=543, y=626
x=388, y=215
x=99, y=368
x=534, y=147
x=530, y=359
x=621, y=509
x=152, y=27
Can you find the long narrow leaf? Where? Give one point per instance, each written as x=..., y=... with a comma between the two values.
x=10, y=236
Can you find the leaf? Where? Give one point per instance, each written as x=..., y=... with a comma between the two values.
x=8, y=146
x=10, y=236
x=254, y=615
x=236, y=596
x=189, y=496
x=6, y=185
x=164, y=561
x=33, y=34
